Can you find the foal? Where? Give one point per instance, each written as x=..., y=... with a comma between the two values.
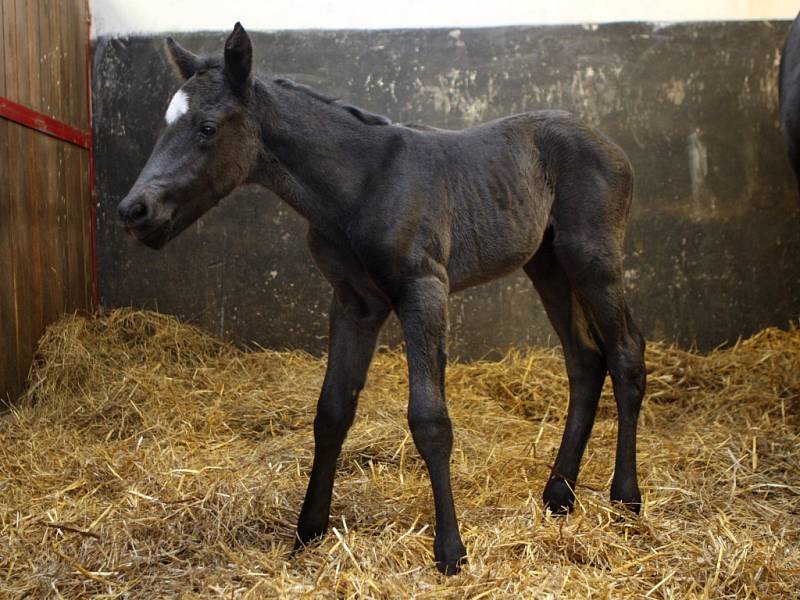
x=399, y=218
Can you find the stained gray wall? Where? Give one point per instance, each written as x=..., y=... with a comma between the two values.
x=713, y=245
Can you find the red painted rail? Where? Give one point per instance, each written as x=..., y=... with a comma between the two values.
x=41, y=122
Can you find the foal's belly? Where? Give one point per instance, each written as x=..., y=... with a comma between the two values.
x=481, y=252
x=499, y=211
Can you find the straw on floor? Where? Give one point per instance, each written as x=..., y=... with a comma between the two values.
x=149, y=460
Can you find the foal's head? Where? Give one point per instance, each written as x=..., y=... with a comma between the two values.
x=207, y=146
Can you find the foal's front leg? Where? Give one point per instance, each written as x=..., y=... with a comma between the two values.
x=423, y=315
x=354, y=328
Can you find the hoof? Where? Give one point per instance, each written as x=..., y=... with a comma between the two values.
x=450, y=557
x=628, y=496
x=558, y=496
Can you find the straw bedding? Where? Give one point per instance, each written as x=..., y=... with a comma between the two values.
x=149, y=460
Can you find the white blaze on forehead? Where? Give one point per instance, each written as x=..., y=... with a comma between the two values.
x=177, y=107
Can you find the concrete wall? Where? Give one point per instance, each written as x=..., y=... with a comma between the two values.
x=714, y=235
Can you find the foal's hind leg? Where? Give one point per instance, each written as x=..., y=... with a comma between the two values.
x=596, y=276
x=586, y=370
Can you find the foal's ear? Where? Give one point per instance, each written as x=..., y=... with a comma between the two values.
x=238, y=57
x=184, y=61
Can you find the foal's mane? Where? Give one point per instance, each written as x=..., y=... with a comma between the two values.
x=206, y=63
x=359, y=113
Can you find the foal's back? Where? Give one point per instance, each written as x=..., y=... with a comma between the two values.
x=489, y=193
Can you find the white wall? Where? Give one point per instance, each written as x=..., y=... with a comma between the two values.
x=147, y=16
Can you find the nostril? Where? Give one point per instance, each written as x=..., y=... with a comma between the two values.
x=136, y=214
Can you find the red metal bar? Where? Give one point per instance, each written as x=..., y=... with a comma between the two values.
x=41, y=122
x=90, y=140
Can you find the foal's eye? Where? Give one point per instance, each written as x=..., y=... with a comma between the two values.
x=208, y=130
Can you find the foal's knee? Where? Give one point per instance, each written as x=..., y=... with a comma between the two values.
x=431, y=429
x=334, y=418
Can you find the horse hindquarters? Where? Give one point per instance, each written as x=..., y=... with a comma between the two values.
x=578, y=273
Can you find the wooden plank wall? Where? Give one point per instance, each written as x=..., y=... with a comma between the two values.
x=45, y=197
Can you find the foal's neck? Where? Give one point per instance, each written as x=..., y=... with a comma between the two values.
x=314, y=153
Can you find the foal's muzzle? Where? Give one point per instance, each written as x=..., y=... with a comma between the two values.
x=139, y=212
